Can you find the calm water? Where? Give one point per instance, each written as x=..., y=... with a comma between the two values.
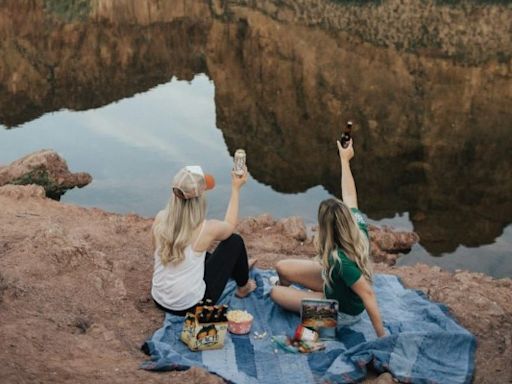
x=132, y=101
x=133, y=148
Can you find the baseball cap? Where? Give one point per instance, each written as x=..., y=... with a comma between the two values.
x=191, y=182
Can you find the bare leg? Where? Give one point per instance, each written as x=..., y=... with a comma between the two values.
x=251, y=263
x=307, y=273
x=246, y=289
x=290, y=298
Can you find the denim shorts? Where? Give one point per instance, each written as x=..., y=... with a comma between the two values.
x=345, y=320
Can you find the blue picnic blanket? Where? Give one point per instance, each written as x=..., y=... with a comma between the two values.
x=424, y=343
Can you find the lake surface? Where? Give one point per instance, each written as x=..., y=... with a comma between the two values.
x=131, y=98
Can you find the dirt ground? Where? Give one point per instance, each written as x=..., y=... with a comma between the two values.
x=75, y=304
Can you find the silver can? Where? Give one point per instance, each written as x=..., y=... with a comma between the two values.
x=239, y=166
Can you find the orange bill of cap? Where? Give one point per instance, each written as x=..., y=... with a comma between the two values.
x=209, y=181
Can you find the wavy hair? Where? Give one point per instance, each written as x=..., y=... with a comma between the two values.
x=338, y=229
x=176, y=225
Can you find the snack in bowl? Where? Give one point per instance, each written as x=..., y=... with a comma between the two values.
x=239, y=322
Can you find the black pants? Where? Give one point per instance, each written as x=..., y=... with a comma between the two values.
x=229, y=260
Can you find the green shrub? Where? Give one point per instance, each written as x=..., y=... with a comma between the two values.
x=69, y=10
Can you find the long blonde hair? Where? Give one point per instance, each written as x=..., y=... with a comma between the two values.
x=176, y=225
x=338, y=229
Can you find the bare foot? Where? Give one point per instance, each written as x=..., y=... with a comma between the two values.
x=252, y=262
x=246, y=289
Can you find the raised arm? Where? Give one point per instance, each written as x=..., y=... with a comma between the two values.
x=234, y=202
x=223, y=229
x=348, y=186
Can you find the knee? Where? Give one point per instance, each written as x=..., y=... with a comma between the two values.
x=274, y=293
x=282, y=267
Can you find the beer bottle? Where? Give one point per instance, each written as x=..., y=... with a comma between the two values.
x=199, y=308
x=209, y=314
x=223, y=313
x=216, y=314
x=346, y=135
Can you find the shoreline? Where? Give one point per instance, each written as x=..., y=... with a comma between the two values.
x=75, y=302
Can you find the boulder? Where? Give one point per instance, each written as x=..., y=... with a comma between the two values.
x=293, y=227
x=251, y=224
x=387, y=243
x=45, y=168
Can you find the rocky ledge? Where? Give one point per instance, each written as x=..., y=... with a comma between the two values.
x=46, y=168
x=75, y=303
x=272, y=237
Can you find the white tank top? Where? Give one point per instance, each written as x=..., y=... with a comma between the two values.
x=179, y=286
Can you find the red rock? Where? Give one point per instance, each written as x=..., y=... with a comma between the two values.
x=22, y=191
x=251, y=224
x=293, y=227
x=387, y=243
x=264, y=220
x=45, y=168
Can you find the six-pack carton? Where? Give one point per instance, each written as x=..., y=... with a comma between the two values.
x=205, y=328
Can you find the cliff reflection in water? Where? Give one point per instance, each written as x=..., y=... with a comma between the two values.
x=433, y=137
x=432, y=134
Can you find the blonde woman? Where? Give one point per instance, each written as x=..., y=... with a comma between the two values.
x=184, y=272
x=344, y=271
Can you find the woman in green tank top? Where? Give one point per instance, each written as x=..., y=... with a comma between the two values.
x=343, y=271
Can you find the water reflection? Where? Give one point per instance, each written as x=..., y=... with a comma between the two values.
x=133, y=148
x=432, y=135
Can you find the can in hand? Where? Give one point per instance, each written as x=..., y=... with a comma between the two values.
x=239, y=162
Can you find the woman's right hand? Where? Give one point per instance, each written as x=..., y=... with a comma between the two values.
x=345, y=153
x=238, y=181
